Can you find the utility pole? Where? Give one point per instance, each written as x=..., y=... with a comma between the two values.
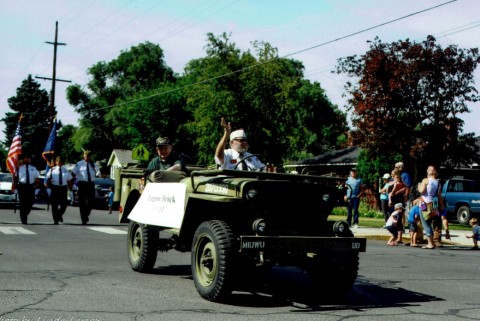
x=53, y=79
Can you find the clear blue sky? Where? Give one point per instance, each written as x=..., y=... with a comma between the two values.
x=98, y=30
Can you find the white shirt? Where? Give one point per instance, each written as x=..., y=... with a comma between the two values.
x=231, y=158
x=80, y=171
x=54, y=175
x=33, y=174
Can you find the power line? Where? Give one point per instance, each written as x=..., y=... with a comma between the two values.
x=175, y=32
x=104, y=19
x=285, y=56
x=370, y=28
x=124, y=25
x=190, y=12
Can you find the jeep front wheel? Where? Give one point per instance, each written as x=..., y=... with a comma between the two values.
x=463, y=215
x=142, y=246
x=212, y=260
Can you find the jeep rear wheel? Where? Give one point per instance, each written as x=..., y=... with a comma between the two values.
x=463, y=215
x=212, y=260
x=142, y=246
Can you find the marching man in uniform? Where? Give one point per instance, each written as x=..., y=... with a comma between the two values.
x=85, y=172
x=58, y=180
x=26, y=178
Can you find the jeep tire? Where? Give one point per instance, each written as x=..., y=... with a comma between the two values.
x=142, y=246
x=212, y=260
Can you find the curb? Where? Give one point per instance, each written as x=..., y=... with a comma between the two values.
x=405, y=239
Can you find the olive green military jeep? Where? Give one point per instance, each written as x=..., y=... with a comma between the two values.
x=238, y=225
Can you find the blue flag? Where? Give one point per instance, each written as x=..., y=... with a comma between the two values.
x=49, y=150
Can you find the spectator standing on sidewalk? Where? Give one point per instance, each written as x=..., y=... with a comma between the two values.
x=397, y=190
x=384, y=196
x=396, y=196
x=407, y=180
x=433, y=211
x=355, y=190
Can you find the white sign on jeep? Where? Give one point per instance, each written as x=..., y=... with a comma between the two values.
x=161, y=204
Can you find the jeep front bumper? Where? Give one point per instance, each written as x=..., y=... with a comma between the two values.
x=251, y=243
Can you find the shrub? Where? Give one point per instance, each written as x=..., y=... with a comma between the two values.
x=364, y=211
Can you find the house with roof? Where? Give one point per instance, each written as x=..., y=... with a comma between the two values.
x=336, y=163
x=120, y=158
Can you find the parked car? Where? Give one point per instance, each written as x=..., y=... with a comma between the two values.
x=102, y=188
x=42, y=192
x=72, y=195
x=7, y=196
x=462, y=198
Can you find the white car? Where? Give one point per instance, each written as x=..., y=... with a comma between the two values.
x=7, y=196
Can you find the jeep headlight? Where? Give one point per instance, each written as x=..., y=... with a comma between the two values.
x=251, y=193
x=341, y=228
x=259, y=226
x=326, y=198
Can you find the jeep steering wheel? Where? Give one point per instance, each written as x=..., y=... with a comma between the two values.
x=243, y=161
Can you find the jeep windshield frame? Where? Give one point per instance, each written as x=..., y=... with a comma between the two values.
x=329, y=180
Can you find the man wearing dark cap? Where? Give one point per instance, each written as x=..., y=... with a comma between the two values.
x=355, y=190
x=26, y=176
x=166, y=159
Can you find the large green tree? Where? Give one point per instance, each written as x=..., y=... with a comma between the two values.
x=149, y=114
x=405, y=101
x=33, y=103
x=285, y=116
x=64, y=145
x=136, y=70
x=136, y=97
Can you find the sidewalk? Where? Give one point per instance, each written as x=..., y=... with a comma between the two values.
x=457, y=237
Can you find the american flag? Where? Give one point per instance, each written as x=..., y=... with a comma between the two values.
x=15, y=149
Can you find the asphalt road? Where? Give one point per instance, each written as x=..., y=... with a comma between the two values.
x=73, y=272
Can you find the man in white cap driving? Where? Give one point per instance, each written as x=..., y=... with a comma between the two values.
x=237, y=157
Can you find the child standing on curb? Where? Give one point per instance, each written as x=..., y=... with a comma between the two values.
x=475, y=233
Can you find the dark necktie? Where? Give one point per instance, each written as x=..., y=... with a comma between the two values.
x=60, y=176
x=28, y=174
x=88, y=172
x=244, y=163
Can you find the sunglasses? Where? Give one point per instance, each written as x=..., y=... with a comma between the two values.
x=240, y=140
